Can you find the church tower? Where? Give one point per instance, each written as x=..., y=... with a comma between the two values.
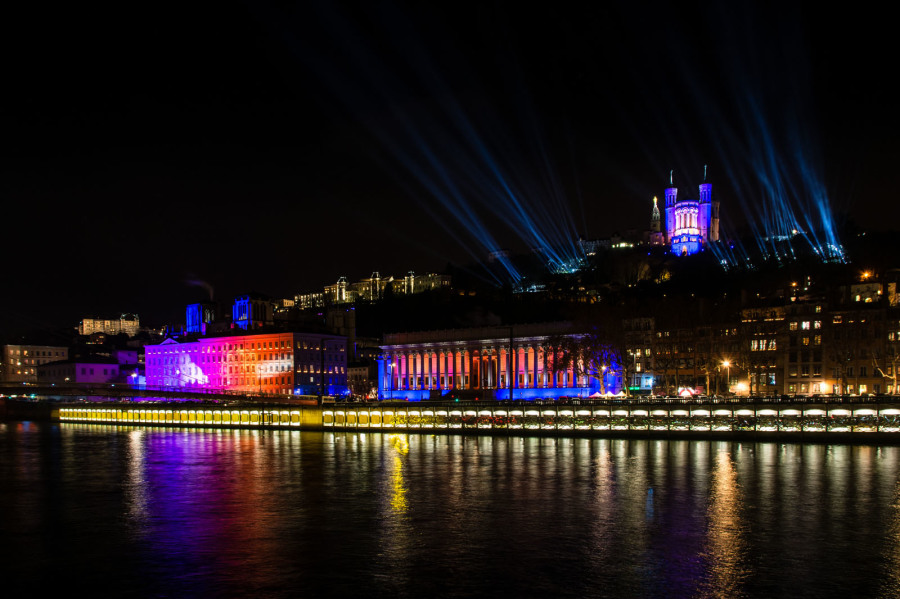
x=671, y=200
x=709, y=211
x=654, y=218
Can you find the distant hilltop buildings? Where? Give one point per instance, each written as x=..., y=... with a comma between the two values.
x=371, y=289
x=129, y=324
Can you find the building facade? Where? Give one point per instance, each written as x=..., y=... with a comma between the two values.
x=129, y=324
x=485, y=363
x=96, y=370
x=265, y=363
x=19, y=363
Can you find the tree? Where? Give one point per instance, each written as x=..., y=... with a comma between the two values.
x=589, y=354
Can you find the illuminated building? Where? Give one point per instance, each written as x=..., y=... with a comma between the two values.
x=487, y=363
x=197, y=316
x=689, y=224
x=129, y=324
x=413, y=283
x=338, y=293
x=251, y=312
x=371, y=289
x=307, y=301
x=278, y=363
x=19, y=362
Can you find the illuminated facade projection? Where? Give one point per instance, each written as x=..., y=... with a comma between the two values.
x=689, y=224
x=278, y=363
x=477, y=362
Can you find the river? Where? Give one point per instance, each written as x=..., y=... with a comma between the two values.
x=159, y=512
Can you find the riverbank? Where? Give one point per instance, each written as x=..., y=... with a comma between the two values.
x=817, y=423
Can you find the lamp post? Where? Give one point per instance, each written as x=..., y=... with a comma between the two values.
x=391, y=379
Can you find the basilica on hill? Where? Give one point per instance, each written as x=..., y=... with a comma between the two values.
x=687, y=225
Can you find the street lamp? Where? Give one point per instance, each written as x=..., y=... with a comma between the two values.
x=727, y=366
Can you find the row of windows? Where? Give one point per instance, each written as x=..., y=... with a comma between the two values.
x=763, y=345
x=805, y=325
x=38, y=353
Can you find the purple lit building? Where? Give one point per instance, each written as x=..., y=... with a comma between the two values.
x=278, y=363
x=689, y=224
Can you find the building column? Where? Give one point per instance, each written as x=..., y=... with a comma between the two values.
x=420, y=370
x=407, y=383
x=518, y=369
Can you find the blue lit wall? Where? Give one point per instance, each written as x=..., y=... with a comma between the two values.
x=686, y=245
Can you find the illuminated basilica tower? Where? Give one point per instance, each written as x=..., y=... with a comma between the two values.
x=689, y=224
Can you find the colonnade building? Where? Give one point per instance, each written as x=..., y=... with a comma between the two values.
x=490, y=363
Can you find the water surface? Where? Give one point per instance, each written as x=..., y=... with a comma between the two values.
x=156, y=512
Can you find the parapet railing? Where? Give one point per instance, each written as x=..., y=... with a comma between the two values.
x=671, y=401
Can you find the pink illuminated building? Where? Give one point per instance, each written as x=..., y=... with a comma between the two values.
x=276, y=363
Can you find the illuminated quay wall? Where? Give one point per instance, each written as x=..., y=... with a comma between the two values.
x=623, y=418
x=477, y=362
x=188, y=416
x=687, y=419
x=272, y=363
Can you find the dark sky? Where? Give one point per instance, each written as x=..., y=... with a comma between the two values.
x=274, y=146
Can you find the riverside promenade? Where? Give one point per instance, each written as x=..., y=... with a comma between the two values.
x=842, y=419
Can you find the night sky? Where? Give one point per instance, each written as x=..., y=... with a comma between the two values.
x=274, y=146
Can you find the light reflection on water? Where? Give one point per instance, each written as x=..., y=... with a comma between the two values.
x=171, y=512
x=726, y=546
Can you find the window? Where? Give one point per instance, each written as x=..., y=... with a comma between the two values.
x=863, y=371
x=805, y=325
x=793, y=326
